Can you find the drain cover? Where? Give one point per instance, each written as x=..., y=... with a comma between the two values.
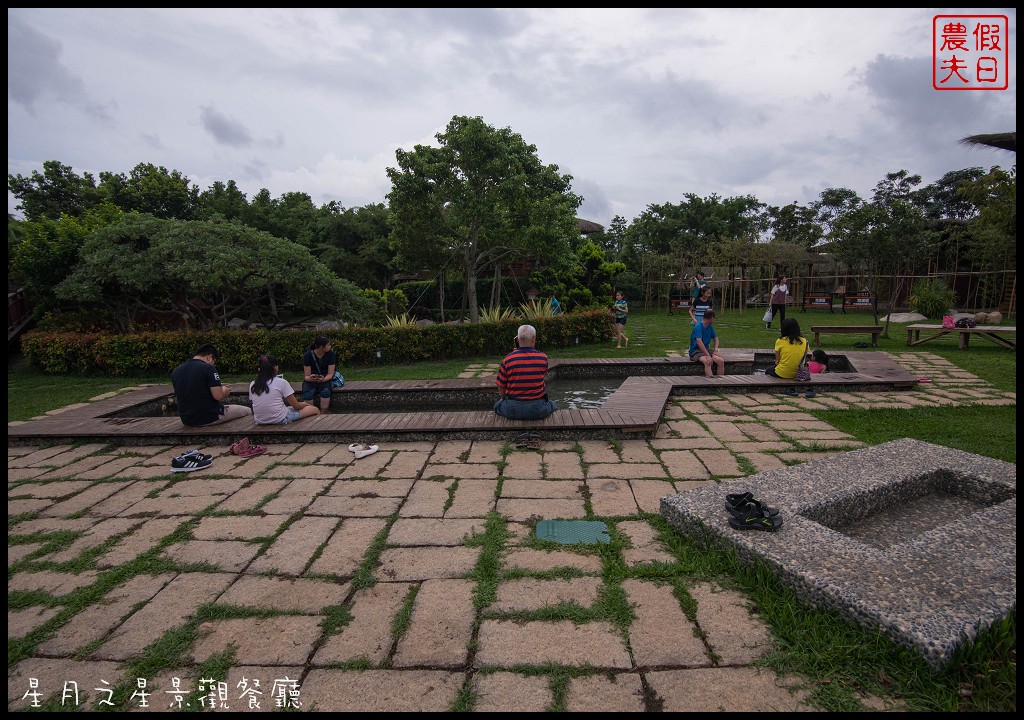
x=573, y=532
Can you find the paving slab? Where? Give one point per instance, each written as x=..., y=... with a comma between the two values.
x=367, y=636
x=619, y=692
x=701, y=690
x=296, y=495
x=431, y=531
x=252, y=495
x=98, y=619
x=545, y=560
x=281, y=640
x=426, y=563
x=227, y=555
x=540, y=508
x=294, y=548
x=473, y=498
x=392, y=488
x=285, y=594
x=146, y=537
x=512, y=488
x=661, y=634
x=341, y=506
x=52, y=582
x=381, y=690
x=612, y=497
x=21, y=622
x=563, y=466
x=343, y=554
x=239, y=527
x=504, y=643
x=428, y=498
x=527, y=594
x=733, y=632
x=510, y=692
x=169, y=608
x=440, y=627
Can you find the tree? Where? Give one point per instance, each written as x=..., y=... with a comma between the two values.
x=150, y=189
x=45, y=251
x=207, y=272
x=57, y=191
x=355, y=243
x=795, y=224
x=483, y=194
x=220, y=200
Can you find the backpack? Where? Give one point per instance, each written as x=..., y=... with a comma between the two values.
x=965, y=323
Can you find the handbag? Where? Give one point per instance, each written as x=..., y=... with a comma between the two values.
x=338, y=380
x=947, y=322
x=803, y=372
x=767, y=316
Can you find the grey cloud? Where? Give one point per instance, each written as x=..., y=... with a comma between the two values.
x=34, y=71
x=223, y=129
x=152, y=141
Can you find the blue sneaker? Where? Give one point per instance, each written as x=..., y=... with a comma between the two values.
x=791, y=391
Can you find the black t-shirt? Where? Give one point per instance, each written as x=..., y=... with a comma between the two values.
x=319, y=366
x=192, y=381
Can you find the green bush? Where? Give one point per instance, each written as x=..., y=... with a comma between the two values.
x=932, y=298
x=157, y=353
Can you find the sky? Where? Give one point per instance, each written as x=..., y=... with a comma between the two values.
x=640, y=106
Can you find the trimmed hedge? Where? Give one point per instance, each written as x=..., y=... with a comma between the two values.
x=158, y=353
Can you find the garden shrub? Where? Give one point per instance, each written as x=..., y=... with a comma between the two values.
x=157, y=353
x=932, y=298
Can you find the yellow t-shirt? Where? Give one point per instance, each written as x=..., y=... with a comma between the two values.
x=790, y=355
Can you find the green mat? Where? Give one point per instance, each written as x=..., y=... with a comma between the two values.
x=573, y=532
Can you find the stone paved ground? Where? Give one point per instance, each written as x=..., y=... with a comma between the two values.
x=407, y=580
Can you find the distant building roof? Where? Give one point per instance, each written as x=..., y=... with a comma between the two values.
x=587, y=227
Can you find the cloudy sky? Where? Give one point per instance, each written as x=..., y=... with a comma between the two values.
x=640, y=106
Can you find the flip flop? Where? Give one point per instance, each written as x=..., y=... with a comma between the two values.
x=522, y=440
x=533, y=441
x=924, y=380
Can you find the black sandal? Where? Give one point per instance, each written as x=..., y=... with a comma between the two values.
x=755, y=521
x=740, y=504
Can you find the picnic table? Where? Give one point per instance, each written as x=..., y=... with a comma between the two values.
x=999, y=334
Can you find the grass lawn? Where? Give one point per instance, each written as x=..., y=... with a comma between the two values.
x=842, y=659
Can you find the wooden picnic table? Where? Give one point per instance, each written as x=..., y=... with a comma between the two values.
x=999, y=334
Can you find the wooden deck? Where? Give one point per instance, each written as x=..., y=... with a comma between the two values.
x=634, y=410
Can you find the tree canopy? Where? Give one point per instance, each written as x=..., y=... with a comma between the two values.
x=205, y=272
x=483, y=194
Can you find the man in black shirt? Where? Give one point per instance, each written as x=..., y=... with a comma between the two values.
x=199, y=391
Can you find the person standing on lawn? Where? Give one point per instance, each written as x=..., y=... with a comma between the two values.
x=778, y=300
x=621, y=310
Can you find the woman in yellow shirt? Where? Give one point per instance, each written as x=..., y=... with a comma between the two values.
x=790, y=349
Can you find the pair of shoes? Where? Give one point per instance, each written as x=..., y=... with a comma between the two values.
x=527, y=441
x=767, y=326
x=810, y=393
x=748, y=513
x=190, y=461
x=244, y=449
x=362, y=450
x=790, y=391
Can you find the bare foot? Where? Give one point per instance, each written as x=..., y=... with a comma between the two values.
x=627, y=342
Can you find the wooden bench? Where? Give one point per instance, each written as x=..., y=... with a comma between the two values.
x=820, y=330
x=996, y=333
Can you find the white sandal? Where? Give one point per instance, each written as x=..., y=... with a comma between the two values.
x=366, y=450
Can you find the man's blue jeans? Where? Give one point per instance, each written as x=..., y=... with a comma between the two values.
x=524, y=409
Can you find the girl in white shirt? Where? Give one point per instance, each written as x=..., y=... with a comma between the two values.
x=273, y=399
x=779, y=292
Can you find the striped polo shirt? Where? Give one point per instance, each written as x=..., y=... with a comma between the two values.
x=522, y=374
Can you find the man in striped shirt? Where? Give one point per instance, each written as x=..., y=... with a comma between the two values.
x=521, y=380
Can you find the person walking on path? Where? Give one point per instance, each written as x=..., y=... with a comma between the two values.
x=621, y=310
x=273, y=399
x=704, y=345
x=778, y=300
x=522, y=393
x=199, y=391
x=318, y=365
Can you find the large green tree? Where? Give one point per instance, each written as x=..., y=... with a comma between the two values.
x=151, y=189
x=56, y=191
x=205, y=272
x=484, y=195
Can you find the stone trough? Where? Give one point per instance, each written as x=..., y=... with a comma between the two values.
x=915, y=539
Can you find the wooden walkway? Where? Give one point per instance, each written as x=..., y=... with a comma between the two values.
x=634, y=410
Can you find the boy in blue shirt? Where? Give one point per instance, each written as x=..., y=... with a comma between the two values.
x=704, y=345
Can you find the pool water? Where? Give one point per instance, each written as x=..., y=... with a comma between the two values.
x=582, y=393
